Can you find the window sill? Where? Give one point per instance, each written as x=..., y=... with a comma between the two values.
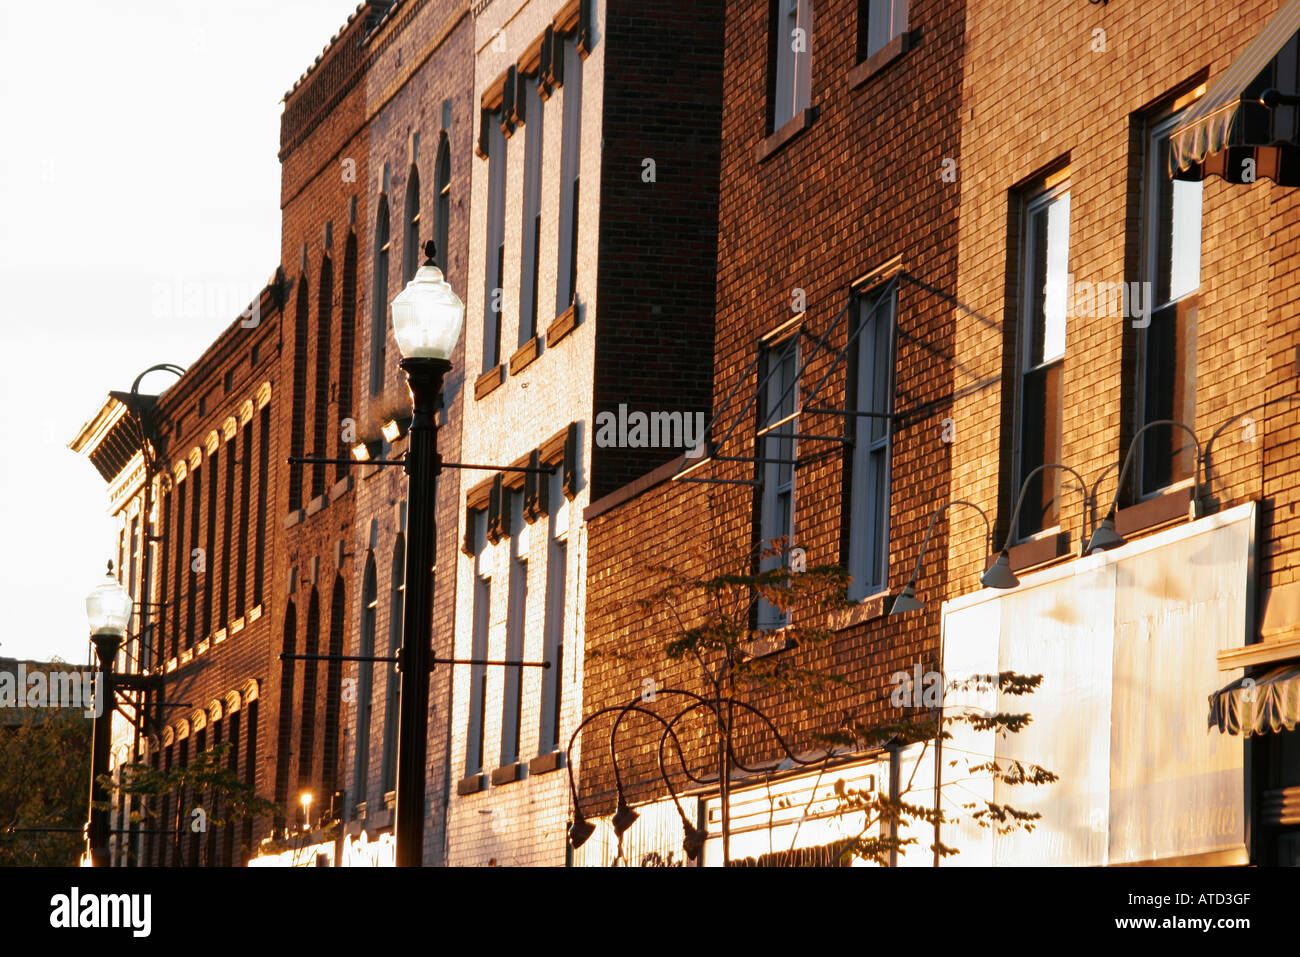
x=882, y=58
x=221, y=635
x=873, y=606
x=777, y=140
x=508, y=774
x=545, y=763
x=1043, y=549
x=564, y=324
x=772, y=643
x=255, y=614
x=489, y=381
x=237, y=625
x=1167, y=507
x=341, y=488
x=293, y=518
x=524, y=356
x=472, y=784
x=316, y=504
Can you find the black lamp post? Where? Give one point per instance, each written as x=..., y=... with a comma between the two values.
x=108, y=608
x=427, y=322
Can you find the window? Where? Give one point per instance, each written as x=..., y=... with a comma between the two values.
x=379, y=298
x=411, y=241
x=192, y=578
x=532, y=224
x=442, y=202
x=245, y=497
x=321, y=414
x=776, y=453
x=1166, y=344
x=307, y=726
x=871, y=390
x=228, y=554
x=791, y=59
x=396, y=609
x=347, y=349
x=556, y=571
x=299, y=400
x=478, y=673
x=333, y=694
x=1043, y=280
x=158, y=631
x=879, y=21
x=210, y=546
x=365, y=682
x=263, y=493
x=512, y=697
x=494, y=281
x=570, y=168
x=288, y=647
x=179, y=551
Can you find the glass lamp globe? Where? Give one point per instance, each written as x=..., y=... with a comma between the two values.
x=109, y=607
x=427, y=315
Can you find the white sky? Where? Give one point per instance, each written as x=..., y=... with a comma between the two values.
x=139, y=153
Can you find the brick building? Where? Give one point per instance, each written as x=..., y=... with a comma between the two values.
x=191, y=477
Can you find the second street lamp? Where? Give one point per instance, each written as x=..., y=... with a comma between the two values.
x=108, y=609
x=427, y=320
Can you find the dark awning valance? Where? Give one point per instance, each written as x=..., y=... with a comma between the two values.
x=1249, y=706
x=1229, y=125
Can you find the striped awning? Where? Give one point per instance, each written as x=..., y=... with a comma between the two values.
x=1249, y=706
x=1229, y=132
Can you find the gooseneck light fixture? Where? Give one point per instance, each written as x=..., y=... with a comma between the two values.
x=1105, y=536
x=428, y=318
x=108, y=611
x=906, y=599
x=1000, y=574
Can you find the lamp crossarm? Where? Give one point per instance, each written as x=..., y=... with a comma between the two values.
x=988, y=532
x=1024, y=487
x=1128, y=460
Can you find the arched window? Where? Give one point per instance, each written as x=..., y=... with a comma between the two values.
x=307, y=727
x=379, y=303
x=396, y=606
x=299, y=399
x=347, y=348
x=442, y=201
x=411, y=219
x=285, y=749
x=365, y=683
x=321, y=415
x=333, y=695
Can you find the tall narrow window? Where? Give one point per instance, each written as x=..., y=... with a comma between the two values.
x=284, y=751
x=321, y=413
x=347, y=352
x=512, y=698
x=245, y=499
x=779, y=398
x=478, y=673
x=164, y=613
x=299, y=399
x=228, y=552
x=396, y=608
x=365, y=683
x=192, y=556
x=379, y=300
x=411, y=220
x=556, y=571
x=494, y=281
x=570, y=170
x=333, y=695
x=879, y=21
x=210, y=548
x=307, y=726
x=179, y=551
x=1044, y=278
x=1166, y=337
x=442, y=202
x=263, y=495
x=531, y=228
x=791, y=59
x=232, y=764
x=871, y=390
x=250, y=770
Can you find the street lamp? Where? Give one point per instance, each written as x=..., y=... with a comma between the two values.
x=427, y=320
x=108, y=609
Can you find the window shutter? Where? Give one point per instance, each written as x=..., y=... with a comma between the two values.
x=534, y=483
x=571, y=461
x=481, y=149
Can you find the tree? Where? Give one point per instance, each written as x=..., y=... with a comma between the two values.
x=714, y=624
x=204, y=793
x=44, y=784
